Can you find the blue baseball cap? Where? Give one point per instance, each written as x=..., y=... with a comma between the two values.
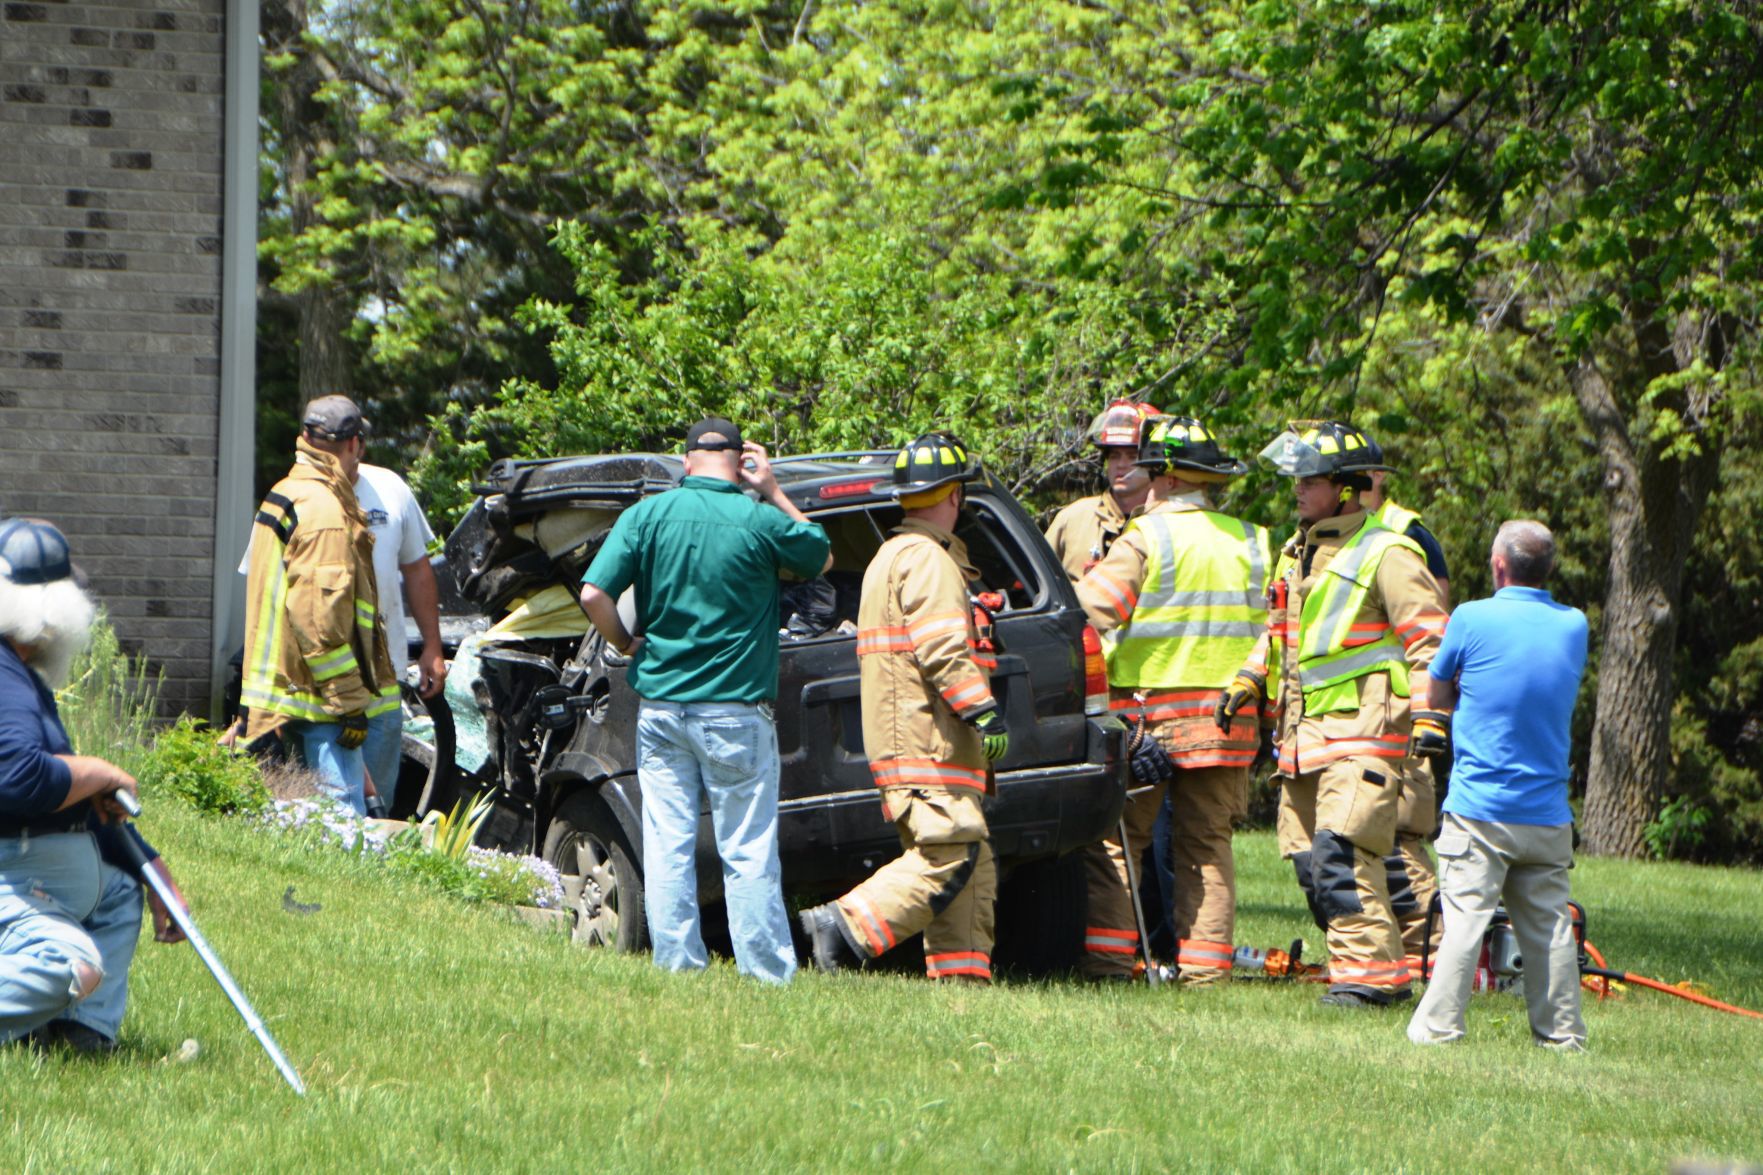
x=33, y=552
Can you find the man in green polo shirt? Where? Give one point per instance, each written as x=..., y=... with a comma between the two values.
x=704, y=560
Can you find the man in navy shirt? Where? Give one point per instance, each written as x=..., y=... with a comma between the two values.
x=1512, y=667
x=69, y=913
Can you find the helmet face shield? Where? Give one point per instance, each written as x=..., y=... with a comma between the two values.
x=1323, y=449
x=1292, y=456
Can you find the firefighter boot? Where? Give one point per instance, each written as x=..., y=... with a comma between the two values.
x=825, y=928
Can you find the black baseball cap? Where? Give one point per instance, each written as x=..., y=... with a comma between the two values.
x=713, y=426
x=334, y=418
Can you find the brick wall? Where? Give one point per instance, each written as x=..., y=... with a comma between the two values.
x=110, y=284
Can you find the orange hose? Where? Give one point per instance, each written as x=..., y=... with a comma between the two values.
x=1630, y=977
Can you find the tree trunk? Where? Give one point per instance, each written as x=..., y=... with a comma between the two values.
x=1654, y=503
x=324, y=352
x=305, y=122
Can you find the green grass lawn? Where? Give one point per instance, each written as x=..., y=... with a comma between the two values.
x=436, y=1036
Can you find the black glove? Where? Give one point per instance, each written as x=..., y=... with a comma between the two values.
x=1150, y=762
x=1248, y=686
x=1432, y=735
x=354, y=731
x=994, y=735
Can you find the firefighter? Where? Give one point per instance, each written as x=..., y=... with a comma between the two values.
x=1412, y=878
x=932, y=731
x=1083, y=531
x=1354, y=618
x=1180, y=599
x=317, y=668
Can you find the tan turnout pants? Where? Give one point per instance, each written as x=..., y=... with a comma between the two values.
x=945, y=884
x=1412, y=878
x=1337, y=825
x=1204, y=802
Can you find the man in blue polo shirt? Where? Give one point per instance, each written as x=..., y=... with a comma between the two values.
x=1511, y=666
x=704, y=560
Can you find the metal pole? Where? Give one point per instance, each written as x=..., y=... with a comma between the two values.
x=1152, y=976
x=181, y=916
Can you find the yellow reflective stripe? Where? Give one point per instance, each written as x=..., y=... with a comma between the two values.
x=300, y=705
x=364, y=613
x=1316, y=672
x=335, y=663
x=260, y=667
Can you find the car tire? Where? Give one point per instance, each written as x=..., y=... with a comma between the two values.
x=584, y=838
x=1040, y=917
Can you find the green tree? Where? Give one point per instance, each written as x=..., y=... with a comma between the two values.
x=1585, y=177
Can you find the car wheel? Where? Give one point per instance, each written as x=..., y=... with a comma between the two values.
x=585, y=839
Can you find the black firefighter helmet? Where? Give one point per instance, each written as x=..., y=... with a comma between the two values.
x=931, y=461
x=1186, y=444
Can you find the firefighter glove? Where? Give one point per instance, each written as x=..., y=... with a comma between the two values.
x=994, y=736
x=354, y=731
x=1248, y=686
x=1151, y=764
x=1432, y=738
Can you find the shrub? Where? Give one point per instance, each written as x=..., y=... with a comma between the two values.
x=186, y=762
x=109, y=701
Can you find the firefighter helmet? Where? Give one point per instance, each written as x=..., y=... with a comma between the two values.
x=1186, y=444
x=1324, y=448
x=930, y=462
x=1120, y=425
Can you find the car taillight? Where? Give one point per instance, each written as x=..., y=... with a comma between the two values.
x=849, y=489
x=1095, y=674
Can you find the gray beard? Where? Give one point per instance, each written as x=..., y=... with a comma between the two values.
x=53, y=660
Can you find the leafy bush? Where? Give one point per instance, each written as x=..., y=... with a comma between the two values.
x=186, y=762
x=1679, y=830
x=109, y=701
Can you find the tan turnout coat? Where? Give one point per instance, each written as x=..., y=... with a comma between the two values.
x=315, y=646
x=920, y=665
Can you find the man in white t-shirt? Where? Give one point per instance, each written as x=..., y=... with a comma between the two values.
x=401, y=539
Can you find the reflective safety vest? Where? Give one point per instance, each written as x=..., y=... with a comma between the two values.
x=1332, y=647
x=1394, y=517
x=1201, y=606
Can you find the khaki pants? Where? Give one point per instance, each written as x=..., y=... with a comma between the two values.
x=1336, y=826
x=945, y=884
x=1480, y=864
x=1412, y=880
x=1204, y=801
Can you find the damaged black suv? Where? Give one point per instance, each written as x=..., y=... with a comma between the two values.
x=537, y=712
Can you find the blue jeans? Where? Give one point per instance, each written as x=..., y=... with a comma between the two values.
x=61, y=905
x=728, y=751
x=383, y=751
x=340, y=771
